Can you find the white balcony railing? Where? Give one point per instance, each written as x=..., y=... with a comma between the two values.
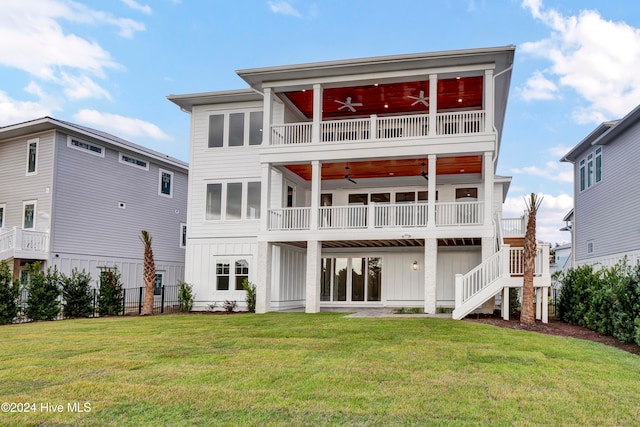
x=516, y=261
x=377, y=216
x=16, y=242
x=289, y=218
x=381, y=128
x=514, y=227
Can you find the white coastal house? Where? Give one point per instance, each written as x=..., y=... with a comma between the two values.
x=76, y=197
x=356, y=183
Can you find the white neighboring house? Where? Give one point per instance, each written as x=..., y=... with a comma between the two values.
x=605, y=214
x=76, y=197
x=355, y=183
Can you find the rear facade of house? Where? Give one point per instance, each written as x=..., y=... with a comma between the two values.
x=356, y=183
x=74, y=197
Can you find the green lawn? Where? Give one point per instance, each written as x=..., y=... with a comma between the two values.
x=297, y=369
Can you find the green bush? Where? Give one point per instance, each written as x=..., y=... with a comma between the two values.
x=9, y=293
x=110, y=298
x=43, y=293
x=77, y=294
x=606, y=300
x=251, y=295
x=185, y=296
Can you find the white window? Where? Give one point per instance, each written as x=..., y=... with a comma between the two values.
x=598, y=164
x=232, y=272
x=236, y=129
x=87, y=147
x=238, y=201
x=222, y=276
x=29, y=215
x=133, y=161
x=183, y=235
x=242, y=273
x=32, y=156
x=165, y=184
x=589, y=247
x=157, y=286
x=590, y=169
x=3, y=208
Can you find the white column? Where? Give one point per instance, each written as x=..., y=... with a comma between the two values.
x=431, y=187
x=489, y=100
x=316, y=187
x=487, y=172
x=317, y=113
x=263, y=287
x=267, y=116
x=505, y=303
x=430, y=263
x=433, y=103
x=265, y=196
x=312, y=296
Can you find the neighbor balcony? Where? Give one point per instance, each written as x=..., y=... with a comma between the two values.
x=377, y=128
x=26, y=244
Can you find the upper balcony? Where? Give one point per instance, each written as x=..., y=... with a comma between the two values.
x=20, y=243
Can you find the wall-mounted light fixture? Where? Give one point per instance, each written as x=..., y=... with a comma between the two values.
x=414, y=266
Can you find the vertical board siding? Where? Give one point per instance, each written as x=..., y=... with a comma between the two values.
x=607, y=213
x=17, y=187
x=291, y=277
x=88, y=220
x=400, y=283
x=451, y=262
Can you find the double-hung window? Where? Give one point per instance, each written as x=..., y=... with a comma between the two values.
x=29, y=215
x=32, y=156
x=231, y=273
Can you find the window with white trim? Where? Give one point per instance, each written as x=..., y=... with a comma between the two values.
x=29, y=215
x=157, y=286
x=583, y=175
x=32, y=156
x=3, y=208
x=183, y=235
x=242, y=273
x=589, y=247
x=133, y=161
x=235, y=129
x=231, y=272
x=233, y=201
x=598, y=164
x=85, y=146
x=590, y=169
x=222, y=276
x=165, y=184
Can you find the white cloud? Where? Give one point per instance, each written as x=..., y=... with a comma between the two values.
x=595, y=57
x=549, y=217
x=82, y=87
x=13, y=111
x=121, y=126
x=538, y=87
x=553, y=170
x=137, y=6
x=283, y=7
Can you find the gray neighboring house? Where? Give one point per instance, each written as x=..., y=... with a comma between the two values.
x=76, y=197
x=605, y=215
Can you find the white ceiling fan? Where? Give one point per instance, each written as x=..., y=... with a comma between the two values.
x=421, y=99
x=348, y=104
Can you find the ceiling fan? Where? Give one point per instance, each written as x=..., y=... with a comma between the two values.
x=423, y=173
x=419, y=99
x=347, y=176
x=348, y=104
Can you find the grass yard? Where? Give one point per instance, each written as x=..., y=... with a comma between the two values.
x=298, y=369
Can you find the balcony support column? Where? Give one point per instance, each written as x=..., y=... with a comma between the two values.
x=487, y=172
x=489, y=100
x=263, y=285
x=316, y=188
x=431, y=187
x=317, y=113
x=433, y=103
x=314, y=259
x=265, y=196
x=430, y=263
x=267, y=116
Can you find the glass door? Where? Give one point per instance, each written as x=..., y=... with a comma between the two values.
x=353, y=279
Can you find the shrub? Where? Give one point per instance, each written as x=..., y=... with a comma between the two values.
x=9, y=293
x=185, y=296
x=251, y=295
x=229, y=306
x=110, y=298
x=77, y=294
x=43, y=293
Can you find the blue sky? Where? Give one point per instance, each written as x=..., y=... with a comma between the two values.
x=110, y=65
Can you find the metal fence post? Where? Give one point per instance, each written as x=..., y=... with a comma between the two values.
x=124, y=299
x=162, y=299
x=140, y=301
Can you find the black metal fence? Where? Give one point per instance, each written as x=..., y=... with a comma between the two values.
x=132, y=300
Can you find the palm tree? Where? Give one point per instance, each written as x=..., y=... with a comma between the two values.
x=527, y=315
x=149, y=273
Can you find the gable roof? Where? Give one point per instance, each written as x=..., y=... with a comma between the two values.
x=605, y=133
x=49, y=123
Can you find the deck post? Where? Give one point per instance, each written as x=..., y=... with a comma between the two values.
x=430, y=277
x=431, y=193
x=316, y=182
x=263, y=287
x=314, y=254
x=317, y=113
x=505, y=303
x=433, y=103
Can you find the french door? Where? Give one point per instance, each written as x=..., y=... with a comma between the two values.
x=351, y=279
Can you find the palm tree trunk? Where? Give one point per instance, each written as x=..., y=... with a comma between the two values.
x=527, y=315
x=149, y=274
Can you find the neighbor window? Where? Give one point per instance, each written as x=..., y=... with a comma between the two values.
x=32, y=156
x=183, y=235
x=157, y=286
x=589, y=170
x=214, y=201
x=166, y=183
x=234, y=200
x=583, y=175
x=598, y=164
x=222, y=276
x=87, y=147
x=29, y=216
x=242, y=273
x=2, y=209
x=590, y=247
x=133, y=161
x=216, y=130
x=253, y=200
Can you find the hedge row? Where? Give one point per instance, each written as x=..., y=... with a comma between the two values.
x=606, y=300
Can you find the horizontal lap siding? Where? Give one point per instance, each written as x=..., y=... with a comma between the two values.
x=16, y=186
x=607, y=213
x=88, y=219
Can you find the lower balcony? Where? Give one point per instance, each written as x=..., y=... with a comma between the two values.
x=19, y=243
x=377, y=216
